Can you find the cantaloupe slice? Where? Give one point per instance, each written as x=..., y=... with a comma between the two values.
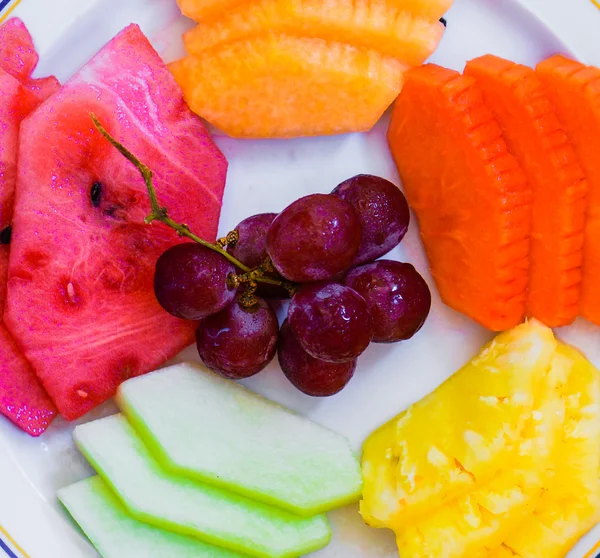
x=575, y=93
x=213, y=515
x=282, y=86
x=374, y=24
x=469, y=192
x=115, y=533
x=218, y=431
x=206, y=10
x=535, y=135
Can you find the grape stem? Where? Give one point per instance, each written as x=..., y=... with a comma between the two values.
x=159, y=213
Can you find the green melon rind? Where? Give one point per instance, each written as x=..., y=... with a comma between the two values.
x=289, y=461
x=161, y=498
x=114, y=533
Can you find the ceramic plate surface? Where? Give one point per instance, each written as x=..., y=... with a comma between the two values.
x=265, y=176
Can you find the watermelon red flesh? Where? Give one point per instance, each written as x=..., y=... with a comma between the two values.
x=18, y=56
x=22, y=398
x=80, y=297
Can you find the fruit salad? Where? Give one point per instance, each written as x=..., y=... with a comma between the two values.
x=111, y=189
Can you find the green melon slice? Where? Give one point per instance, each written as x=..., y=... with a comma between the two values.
x=186, y=506
x=115, y=534
x=203, y=426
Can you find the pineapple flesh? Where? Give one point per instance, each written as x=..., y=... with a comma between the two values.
x=570, y=505
x=481, y=412
x=500, y=461
x=483, y=518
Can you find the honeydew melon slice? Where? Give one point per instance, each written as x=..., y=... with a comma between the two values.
x=205, y=427
x=161, y=498
x=115, y=533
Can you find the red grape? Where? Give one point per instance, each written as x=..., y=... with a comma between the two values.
x=308, y=374
x=314, y=239
x=331, y=321
x=238, y=342
x=398, y=298
x=382, y=210
x=251, y=248
x=190, y=281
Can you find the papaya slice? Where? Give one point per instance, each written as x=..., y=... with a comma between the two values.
x=535, y=135
x=375, y=24
x=469, y=192
x=206, y=10
x=284, y=86
x=575, y=92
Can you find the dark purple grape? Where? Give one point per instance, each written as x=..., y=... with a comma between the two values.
x=238, y=342
x=398, y=298
x=251, y=248
x=308, y=374
x=383, y=213
x=190, y=281
x=314, y=239
x=331, y=321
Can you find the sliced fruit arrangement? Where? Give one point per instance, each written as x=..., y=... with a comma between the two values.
x=261, y=77
x=476, y=228
x=22, y=398
x=201, y=471
x=208, y=10
x=575, y=92
x=110, y=528
x=514, y=483
x=371, y=24
x=481, y=417
x=325, y=473
x=166, y=500
x=252, y=55
x=502, y=248
x=535, y=135
x=81, y=254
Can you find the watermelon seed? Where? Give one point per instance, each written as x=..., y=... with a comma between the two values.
x=71, y=291
x=6, y=235
x=444, y=22
x=82, y=394
x=159, y=213
x=96, y=193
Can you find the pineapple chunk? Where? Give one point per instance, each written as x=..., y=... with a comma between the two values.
x=483, y=518
x=461, y=435
x=501, y=552
x=571, y=505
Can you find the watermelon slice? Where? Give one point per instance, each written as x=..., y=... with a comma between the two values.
x=81, y=255
x=22, y=398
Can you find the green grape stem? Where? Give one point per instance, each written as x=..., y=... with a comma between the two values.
x=159, y=213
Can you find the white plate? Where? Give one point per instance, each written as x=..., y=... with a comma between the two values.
x=266, y=176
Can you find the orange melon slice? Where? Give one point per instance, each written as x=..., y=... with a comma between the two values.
x=469, y=192
x=374, y=24
x=280, y=87
x=206, y=10
x=575, y=92
x=535, y=135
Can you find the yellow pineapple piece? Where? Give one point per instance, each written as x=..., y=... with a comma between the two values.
x=500, y=552
x=460, y=436
x=571, y=504
x=483, y=518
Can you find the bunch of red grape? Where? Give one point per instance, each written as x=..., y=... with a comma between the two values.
x=321, y=249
